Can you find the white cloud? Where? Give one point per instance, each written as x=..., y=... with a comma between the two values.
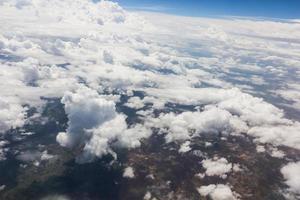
x=290, y=92
x=277, y=153
x=12, y=114
x=95, y=124
x=147, y=196
x=46, y=156
x=217, y=167
x=291, y=173
x=260, y=148
x=212, y=120
x=85, y=110
x=35, y=156
x=228, y=111
x=185, y=147
x=128, y=172
x=135, y=102
x=217, y=192
x=278, y=134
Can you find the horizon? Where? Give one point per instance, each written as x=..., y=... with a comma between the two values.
x=265, y=9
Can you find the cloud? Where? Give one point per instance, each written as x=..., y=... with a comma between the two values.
x=128, y=172
x=95, y=125
x=147, y=196
x=291, y=173
x=217, y=192
x=227, y=111
x=12, y=114
x=217, y=167
x=179, y=127
x=35, y=157
x=103, y=11
x=277, y=134
x=291, y=93
x=85, y=111
x=135, y=102
x=223, y=66
x=185, y=147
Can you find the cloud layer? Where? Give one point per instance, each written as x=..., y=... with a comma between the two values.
x=239, y=76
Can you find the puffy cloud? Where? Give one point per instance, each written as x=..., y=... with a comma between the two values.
x=278, y=134
x=291, y=173
x=85, y=110
x=29, y=156
x=128, y=172
x=249, y=108
x=35, y=156
x=12, y=114
x=113, y=133
x=135, y=102
x=217, y=192
x=179, y=126
x=291, y=93
x=147, y=196
x=46, y=156
x=185, y=147
x=227, y=111
x=95, y=125
x=217, y=167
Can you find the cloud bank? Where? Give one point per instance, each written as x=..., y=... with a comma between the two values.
x=236, y=74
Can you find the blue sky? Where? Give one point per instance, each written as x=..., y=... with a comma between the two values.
x=285, y=9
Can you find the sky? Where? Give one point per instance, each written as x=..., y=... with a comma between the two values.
x=284, y=9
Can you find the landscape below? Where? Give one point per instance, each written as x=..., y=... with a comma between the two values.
x=97, y=102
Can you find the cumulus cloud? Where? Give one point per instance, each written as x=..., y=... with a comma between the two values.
x=291, y=173
x=251, y=109
x=85, y=110
x=277, y=134
x=128, y=172
x=95, y=125
x=291, y=93
x=185, y=147
x=217, y=192
x=179, y=126
x=217, y=167
x=12, y=114
x=135, y=102
x=227, y=111
x=147, y=196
